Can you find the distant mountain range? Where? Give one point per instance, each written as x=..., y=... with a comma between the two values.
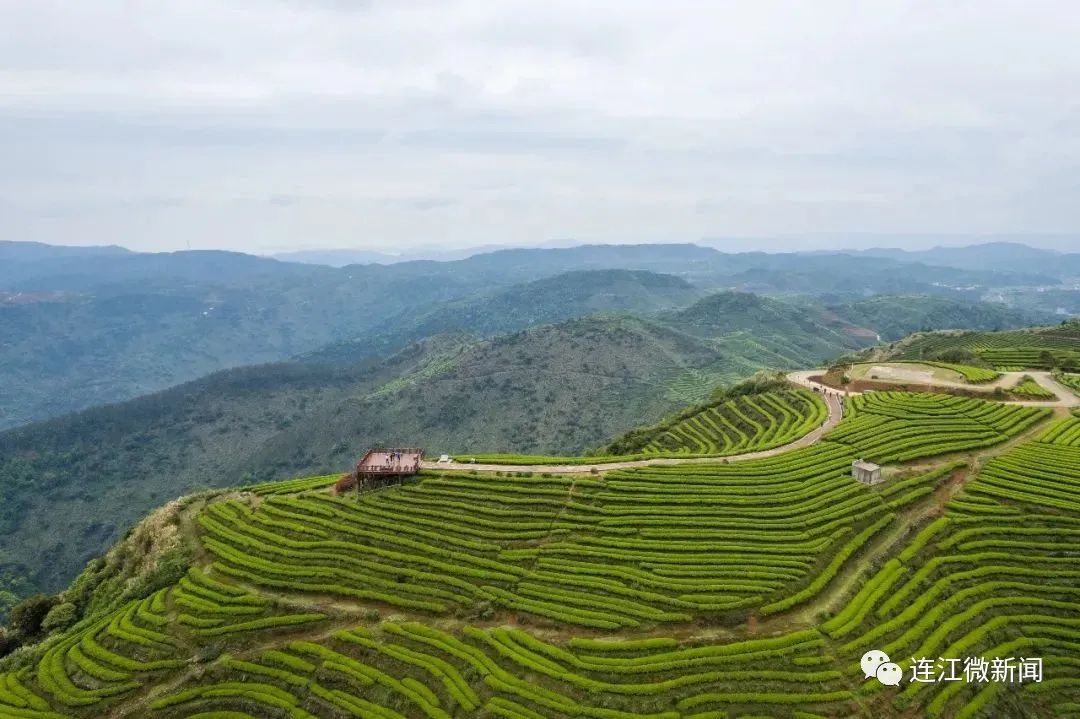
x=991, y=256
x=81, y=327
x=342, y=258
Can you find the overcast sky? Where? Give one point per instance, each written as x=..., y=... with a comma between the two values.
x=269, y=125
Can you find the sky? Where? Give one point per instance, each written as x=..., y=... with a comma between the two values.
x=275, y=125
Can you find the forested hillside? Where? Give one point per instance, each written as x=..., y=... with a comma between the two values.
x=552, y=299
x=896, y=316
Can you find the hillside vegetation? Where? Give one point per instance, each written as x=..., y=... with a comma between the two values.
x=1041, y=348
x=553, y=390
x=896, y=316
x=709, y=590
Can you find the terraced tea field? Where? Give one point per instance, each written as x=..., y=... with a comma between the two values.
x=744, y=424
x=1006, y=351
x=631, y=548
x=1028, y=387
x=901, y=426
x=686, y=591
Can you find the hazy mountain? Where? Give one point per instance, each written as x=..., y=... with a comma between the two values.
x=122, y=338
x=894, y=317
x=993, y=256
x=552, y=299
x=85, y=326
x=95, y=271
x=336, y=258
x=38, y=251
x=343, y=257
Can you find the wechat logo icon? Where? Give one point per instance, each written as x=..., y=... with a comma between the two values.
x=875, y=663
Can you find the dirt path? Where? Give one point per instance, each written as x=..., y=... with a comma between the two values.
x=1065, y=396
x=831, y=400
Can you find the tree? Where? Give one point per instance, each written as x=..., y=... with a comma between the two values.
x=957, y=355
x=27, y=616
x=1047, y=359
x=8, y=643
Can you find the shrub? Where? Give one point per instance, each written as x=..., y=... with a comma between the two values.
x=61, y=616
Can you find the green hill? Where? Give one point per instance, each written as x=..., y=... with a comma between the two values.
x=748, y=588
x=794, y=331
x=731, y=424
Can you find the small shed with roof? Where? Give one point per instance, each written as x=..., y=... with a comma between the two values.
x=866, y=472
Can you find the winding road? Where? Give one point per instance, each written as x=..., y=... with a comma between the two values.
x=831, y=400
x=1065, y=398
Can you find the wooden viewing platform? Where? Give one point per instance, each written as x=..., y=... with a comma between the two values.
x=380, y=462
x=380, y=466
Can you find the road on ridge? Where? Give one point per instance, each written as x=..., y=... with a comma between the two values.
x=1066, y=398
x=832, y=400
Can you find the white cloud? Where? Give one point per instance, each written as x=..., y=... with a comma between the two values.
x=273, y=123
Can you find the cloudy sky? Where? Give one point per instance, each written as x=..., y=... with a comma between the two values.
x=269, y=125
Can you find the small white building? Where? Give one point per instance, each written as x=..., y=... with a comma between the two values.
x=866, y=472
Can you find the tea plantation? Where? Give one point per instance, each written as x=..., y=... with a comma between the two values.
x=1043, y=348
x=741, y=424
x=723, y=589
